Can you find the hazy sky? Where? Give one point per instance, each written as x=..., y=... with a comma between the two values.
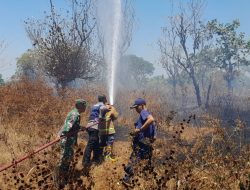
x=151, y=16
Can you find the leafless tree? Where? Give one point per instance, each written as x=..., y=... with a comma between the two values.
x=168, y=50
x=64, y=41
x=127, y=28
x=128, y=24
x=2, y=48
x=187, y=40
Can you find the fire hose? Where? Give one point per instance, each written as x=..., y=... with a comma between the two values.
x=15, y=162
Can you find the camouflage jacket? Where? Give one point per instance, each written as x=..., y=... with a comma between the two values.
x=71, y=123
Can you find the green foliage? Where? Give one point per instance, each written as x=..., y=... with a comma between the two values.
x=158, y=81
x=232, y=49
x=26, y=64
x=1, y=80
x=139, y=68
x=135, y=70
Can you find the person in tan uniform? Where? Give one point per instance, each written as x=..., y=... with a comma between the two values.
x=107, y=133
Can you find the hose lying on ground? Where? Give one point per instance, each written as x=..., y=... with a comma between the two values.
x=15, y=162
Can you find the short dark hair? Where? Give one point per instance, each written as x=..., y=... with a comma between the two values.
x=102, y=98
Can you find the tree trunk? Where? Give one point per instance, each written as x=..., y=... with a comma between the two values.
x=208, y=94
x=229, y=79
x=197, y=89
x=229, y=87
x=174, y=87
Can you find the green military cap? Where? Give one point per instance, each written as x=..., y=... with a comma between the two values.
x=81, y=101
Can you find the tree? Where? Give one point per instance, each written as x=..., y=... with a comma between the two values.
x=27, y=64
x=158, y=81
x=206, y=72
x=2, y=47
x=232, y=49
x=188, y=38
x=104, y=26
x=1, y=80
x=64, y=42
x=167, y=45
x=134, y=70
x=128, y=25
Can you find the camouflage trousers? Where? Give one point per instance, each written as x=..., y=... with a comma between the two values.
x=67, y=153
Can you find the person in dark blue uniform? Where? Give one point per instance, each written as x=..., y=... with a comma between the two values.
x=144, y=136
x=98, y=111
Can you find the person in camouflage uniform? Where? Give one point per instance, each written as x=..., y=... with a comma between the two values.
x=70, y=129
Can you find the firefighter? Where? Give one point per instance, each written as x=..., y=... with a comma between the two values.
x=107, y=133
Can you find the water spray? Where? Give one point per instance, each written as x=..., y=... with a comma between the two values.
x=109, y=21
x=115, y=48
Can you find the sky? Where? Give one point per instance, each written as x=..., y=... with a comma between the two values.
x=151, y=15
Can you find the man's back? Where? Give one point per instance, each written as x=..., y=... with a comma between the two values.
x=108, y=127
x=72, y=121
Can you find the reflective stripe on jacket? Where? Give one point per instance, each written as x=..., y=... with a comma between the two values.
x=109, y=127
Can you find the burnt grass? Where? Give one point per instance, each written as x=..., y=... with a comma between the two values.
x=185, y=156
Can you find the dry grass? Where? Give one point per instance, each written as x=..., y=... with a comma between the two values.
x=195, y=153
